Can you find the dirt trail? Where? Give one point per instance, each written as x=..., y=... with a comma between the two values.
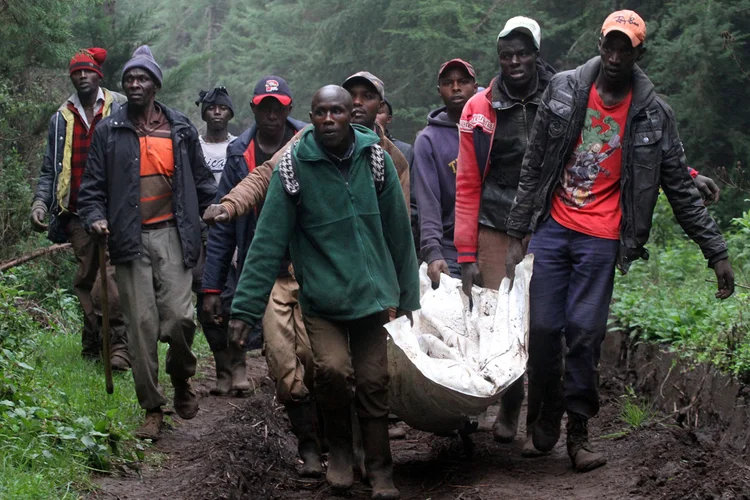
x=243, y=449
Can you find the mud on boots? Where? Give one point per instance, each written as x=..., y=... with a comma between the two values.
x=338, y=167
x=305, y=426
x=580, y=451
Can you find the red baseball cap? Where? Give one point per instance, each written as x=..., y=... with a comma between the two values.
x=457, y=63
x=272, y=86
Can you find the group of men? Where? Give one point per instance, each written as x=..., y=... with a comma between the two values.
x=311, y=248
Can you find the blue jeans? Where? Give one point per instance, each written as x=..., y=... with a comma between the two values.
x=454, y=268
x=571, y=289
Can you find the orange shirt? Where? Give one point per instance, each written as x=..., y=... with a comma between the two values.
x=157, y=170
x=587, y=199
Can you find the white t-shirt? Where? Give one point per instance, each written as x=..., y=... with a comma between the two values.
x=216, y=155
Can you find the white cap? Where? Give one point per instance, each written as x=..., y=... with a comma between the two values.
x=523, y=24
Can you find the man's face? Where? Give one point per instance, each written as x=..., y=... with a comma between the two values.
x=456, y=86
x=270, y=115
x=384, y=117
x=367, y=103
x=139, y=87
x=517, y=60
x=618, y=56
x=330, y=117
x=85, y=81
x=217, y=116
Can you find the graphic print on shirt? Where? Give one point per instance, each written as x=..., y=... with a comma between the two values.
x=600, y=139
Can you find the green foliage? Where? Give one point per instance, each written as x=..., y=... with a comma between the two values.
x=669, y=298
x=635, y=411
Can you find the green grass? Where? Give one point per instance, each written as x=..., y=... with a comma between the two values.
x=57, y=424
x=669, y=299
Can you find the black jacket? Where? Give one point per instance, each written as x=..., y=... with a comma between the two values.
x=111, y=185
x=223, y=239
x=515, y=117
x=652, y=157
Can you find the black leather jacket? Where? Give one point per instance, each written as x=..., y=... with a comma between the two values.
x=111, y=185
x=652, y=157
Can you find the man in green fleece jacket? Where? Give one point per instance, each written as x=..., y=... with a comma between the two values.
x=350, y=242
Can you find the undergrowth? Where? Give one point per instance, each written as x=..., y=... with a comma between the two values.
x=670, y=298
x=57, y=424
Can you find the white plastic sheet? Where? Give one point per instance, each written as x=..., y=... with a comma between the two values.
x=453, y=363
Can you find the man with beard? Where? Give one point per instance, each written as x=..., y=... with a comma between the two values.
x=70, y=132
x=335, y=200
x=145, y=186
x=583, y=229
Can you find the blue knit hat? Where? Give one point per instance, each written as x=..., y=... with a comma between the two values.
x=142, y=58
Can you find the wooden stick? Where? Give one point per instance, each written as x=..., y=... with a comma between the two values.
x=106, y=347
x=33, y=255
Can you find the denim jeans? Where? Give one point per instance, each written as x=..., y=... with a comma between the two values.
x=571, y=289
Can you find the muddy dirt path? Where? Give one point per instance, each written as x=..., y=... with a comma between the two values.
x=243, y=449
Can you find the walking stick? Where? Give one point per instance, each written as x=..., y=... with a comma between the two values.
x=106, y=348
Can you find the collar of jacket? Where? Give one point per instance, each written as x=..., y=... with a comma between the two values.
x=109, y=98
x=177, y=121
x=238, y=146
x=642, y=88
x=308, y=149
x=500, y=99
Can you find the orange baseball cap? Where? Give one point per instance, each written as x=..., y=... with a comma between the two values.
x=628, y=22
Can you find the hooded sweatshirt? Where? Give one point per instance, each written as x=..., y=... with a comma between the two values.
x=435, y=154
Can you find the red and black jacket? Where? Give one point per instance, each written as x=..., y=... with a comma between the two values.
x=223, y=239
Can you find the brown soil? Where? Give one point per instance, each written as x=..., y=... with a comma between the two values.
x=243, y=449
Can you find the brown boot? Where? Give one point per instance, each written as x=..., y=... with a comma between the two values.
x=239, y=370
x=185, y=399
x=378, y=461
x=151, y=426
x=506, y=424
x=303, y=417
x=120, y=361
x=338, y=429
x=581, y=453
x=223, y=360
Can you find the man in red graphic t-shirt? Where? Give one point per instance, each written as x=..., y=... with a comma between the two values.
x=602, y=146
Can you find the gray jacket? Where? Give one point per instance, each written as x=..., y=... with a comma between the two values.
x=652, y=157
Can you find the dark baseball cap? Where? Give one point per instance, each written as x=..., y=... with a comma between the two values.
x=457, y=63
x=272, y=86
x=368, y=78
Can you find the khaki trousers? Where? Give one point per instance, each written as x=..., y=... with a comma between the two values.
x=157, y=302
x=351, y=363
x=492, y=247
x=286, y=345
x=87, y=287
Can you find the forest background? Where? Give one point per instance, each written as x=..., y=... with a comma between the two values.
x=697, y=57
x=55, y=429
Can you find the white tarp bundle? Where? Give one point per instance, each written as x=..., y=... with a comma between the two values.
x=453, y=363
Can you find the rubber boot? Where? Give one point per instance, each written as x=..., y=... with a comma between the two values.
x=506, y=424
x=223, y=361
x=580, y=451
x=378, y=460
x=338, y=428
x=185, y=399
x=533, y=409
x=359, y=450
x=239, y=370
x=151, y=426
x=546, y=431
x=303, y=417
